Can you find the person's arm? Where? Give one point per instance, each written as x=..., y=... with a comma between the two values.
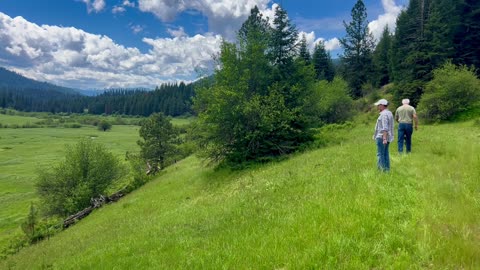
x=415, y=121
x=384, y=129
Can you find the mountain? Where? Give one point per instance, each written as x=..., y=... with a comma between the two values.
x=13, y=80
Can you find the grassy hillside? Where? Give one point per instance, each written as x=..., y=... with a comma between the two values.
x=323, y=209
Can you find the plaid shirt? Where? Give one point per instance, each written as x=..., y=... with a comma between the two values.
x=384, y=123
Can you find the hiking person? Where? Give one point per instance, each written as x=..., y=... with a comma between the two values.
x=383, y=135
x=406, y=116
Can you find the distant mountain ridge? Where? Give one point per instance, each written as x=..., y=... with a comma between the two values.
x=11, y=80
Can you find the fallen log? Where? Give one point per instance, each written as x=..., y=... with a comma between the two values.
x=94, y=203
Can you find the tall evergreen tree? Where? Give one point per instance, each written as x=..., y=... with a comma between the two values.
x=283, y=42
x=322, y=63
x=358, y=46
x=381, y=59
x=467, y=38
x=303, y=52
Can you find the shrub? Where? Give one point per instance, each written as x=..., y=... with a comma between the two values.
x=87, y=171
x=335, y=105
x=104, y=125
x=454, y=89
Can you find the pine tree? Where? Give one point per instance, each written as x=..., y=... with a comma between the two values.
x=283, y=42
x=381, y=59
x=303, y=52
x=467, y=38
x=322, y=63
x=358, y=46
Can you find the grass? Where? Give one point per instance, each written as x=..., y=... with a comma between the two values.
x=17, y=120
x=324, y=209
x=25, y=150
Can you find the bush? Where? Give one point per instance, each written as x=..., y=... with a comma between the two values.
x=87, y=171
x=104, y=125
x=335, y=105
x=454, y=89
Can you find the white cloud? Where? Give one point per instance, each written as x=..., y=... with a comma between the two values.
x=118, y=9
x=136, y=28
x=75, y=58
x=95, y=6
x=330, y=44
x=128, y=3
x=224, y=16
x=180, y=32
x=389, y=18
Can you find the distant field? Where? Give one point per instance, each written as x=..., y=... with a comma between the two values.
x=25, y=150
x=19, y=120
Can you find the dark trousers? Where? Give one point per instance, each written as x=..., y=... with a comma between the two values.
x=405, y=132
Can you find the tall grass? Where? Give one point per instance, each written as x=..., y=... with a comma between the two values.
x=323, y=209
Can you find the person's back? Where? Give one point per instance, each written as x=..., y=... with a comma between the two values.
x=405, y=113
x=406, y=116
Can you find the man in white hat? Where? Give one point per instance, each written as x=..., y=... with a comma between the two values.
x=406, y=116
x=383, y=135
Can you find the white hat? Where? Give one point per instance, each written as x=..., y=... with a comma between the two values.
x=405, y=101
x=381, y=102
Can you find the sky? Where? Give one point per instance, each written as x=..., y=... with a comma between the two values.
x=98, y=44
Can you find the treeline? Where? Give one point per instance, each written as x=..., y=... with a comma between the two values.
x=428, y=34
x=172, y=99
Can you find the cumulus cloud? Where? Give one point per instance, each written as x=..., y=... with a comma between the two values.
x=389, y=18
x=75, y=58
x=224, y=16
x=95, y=6
x=330, y=44
x=180, y=32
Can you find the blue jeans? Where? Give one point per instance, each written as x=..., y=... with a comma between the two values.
x=405, y=132
x=383, y=157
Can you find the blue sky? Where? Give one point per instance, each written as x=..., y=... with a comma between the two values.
x=96, y=44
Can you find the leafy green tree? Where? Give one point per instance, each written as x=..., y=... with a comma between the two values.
x=382, y=59
x=87, y=172
x=335, y=103
x=258, y=115
x=453, y=89
x=358, y=46
x=322, y=63
x=159, y=140
x=104, y=125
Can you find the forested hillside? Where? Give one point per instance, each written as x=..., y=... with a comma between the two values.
x=23, y=94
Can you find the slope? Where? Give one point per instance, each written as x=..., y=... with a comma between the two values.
x=324, y=209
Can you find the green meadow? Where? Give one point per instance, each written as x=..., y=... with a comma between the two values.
x=23, y=151
x=325, y=208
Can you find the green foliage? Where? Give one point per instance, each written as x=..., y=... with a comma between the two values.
x=262, y=102
x=87, y=172
x=322, y=63
x=454, y=89
x=358, y=46
x=104, y=125
x=335, y=104
x=159, y=142
x=382, y=59
x=36, y=228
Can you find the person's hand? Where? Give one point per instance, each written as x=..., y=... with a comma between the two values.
x=416, y=127
x=385, y=141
